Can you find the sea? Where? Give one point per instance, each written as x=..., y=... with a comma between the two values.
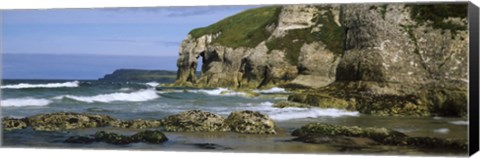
x=149, y=100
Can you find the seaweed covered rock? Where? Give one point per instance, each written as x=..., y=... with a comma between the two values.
x=194, y=121
x=80, y=140
x=322, y=133
x=67, y=120
x=113, y=138
x=147, y=136
x=9, y=123
x=382, y=135
x=138, y=124
x=250, y=122
x=431, y=142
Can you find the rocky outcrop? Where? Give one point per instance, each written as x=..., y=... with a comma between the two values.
x=137, y=124
x=250, y=122
x=322, y=133
x=148, y=136
x=264, y=63
x=65, y=121
x=393, y=59
x=13, y=123
x=194, y=121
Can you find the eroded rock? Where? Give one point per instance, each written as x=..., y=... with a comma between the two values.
x=250, y=122
x=194, y=121
x=138, y=124
x=147, y=136
x=322, y=133
x=9, y=123
x=67, y=120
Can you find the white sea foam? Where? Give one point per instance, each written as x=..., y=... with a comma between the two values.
x=48, y=85
x=137, y=96
x=152, y=84
x=459, y=122
x=271, y=90
x=20, y=102
x=125, y=89
x=441, y=130
x=218, y=91
x=282, y=114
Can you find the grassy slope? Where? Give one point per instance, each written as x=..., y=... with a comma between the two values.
x=246, y=29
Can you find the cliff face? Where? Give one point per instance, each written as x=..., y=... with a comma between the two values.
x=283, y=55
x=393, y=50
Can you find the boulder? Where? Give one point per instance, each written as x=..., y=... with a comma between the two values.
x=138, y=124
x=147, y=136
x=68, y=120
x=382, y=135
x=322, y=133
x=250, y=122
x=155, y=137
x=194, y=121
x=80, y=140
x=9, y=123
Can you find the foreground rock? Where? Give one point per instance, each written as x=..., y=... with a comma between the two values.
x=13, y=123
x=65, y=121
x=138, y=124
x=247, y=122
x=322, y=133
x=195, y=121
x=155, y=137
x=250, y=122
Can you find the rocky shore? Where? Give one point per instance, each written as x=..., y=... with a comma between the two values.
x=242, y=122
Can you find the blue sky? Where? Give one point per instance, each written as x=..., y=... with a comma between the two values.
x=147, y=33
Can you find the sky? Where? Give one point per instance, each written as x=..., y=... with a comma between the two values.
x=63, y=43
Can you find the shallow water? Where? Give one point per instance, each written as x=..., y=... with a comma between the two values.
x=130, y=100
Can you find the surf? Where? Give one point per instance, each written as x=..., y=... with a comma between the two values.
x=21, y=102
x=71, y=84
x=136, y=96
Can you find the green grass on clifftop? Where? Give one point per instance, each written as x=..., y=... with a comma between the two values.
x=246, y=29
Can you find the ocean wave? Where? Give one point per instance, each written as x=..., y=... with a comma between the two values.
x=441, y=130
x=289, y=113
x=137, y=96
x=459, y=122
x=152, y=84
x=219, y=92
x=20, y=102
x=48, y=85
x=271, y=90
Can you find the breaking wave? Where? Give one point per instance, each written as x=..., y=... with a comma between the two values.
x=272, y=90
x=219, y=91
x=20, y=102
x=137, y=96
x=289, y=113
x=152, y=84
x=459, y=122
x=48, y=85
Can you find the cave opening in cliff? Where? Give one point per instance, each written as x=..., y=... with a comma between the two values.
x=199, y=67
